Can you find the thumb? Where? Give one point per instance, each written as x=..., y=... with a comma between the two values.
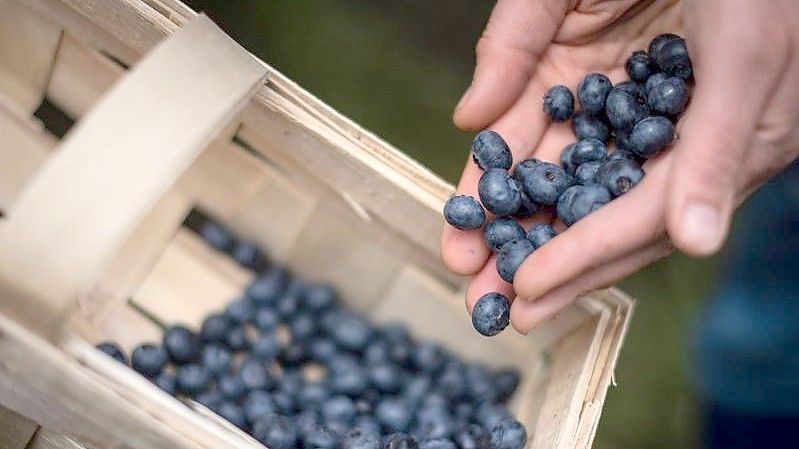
x=734, y=75
x=517, y=33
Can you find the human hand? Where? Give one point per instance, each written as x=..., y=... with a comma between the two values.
x=740, y=128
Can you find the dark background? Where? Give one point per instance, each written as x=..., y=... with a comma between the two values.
x=398, y=68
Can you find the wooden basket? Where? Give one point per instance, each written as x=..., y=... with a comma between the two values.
x=92, y=246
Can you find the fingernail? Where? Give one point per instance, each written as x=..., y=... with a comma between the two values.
x=464, y=98
x=701, y=227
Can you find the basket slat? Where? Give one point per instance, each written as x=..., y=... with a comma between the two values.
x=15, y=430
x=194, y=82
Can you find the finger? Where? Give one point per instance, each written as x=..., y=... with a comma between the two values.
x=630, y=222
x=517, y=34
x=526, y=315
x=735, y=75
x=487, y=281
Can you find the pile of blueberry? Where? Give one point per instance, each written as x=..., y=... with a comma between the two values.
x=290, y=364
x=638, y=114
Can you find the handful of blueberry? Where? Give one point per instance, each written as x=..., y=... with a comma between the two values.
x=639, y=114
x=290, y=364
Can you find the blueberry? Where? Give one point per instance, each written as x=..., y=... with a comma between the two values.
x=524, y=168
x=358, y=439
x=305, y=420
x=527, y=208
x=501, y=231
x=114, y=351
x=586, y=173
x=654, y=81
x=167, y=383
x=450, y=381
x=480, y=384
x=619, y=176
x=149, y=359
x=417, y=389
x=231, y=387
x=489, y=415
x=400, y=441
x=579, y=201
x=669, y=97
x=286, y=306
x=232, y=413
x=322, y=350
x=656, y=45
x=182, y=344
x=292, y=381
x=339, y=408
x=352, y=331
x=319, y=297
x=499, y=192
x=592, y=91
x=320, y=437
x=510, y=256
x=437, y=443
x=400, y=352
x=368, y=424
x=566, y=158
x=377, y=352
x=240, y=311
x=284, y=402
x=348, y=378
x=434, y=423
x=631, y=87
x=210, y=399
x=473, y=436
x=639, y=66
x=386, y=377
x=435, y=401
x=192, y=379
x=214, y=328
x=394, y=332
x=587, y=150
x=216, y=235
x=258, y=404
x=276, y=432
x=463, y=412
x=295, y=354
x=464, y=212
x=545, y=182
x=429, y=357
x=266, y=319
x=489, y=150
x=491, y=314
x=302, y=326
x=254, y=376
x=312, y=394
x=394, y=414
x=623, y=144
x=249, y=256
x=587, y=126
x=267, y=347
x=559, y=103
x=237, y=339
x=673, y=59
x=506, y=382
x=624, y=110
x=508, y=434
x=651, y=135
x=539, y=234
x=267, y=288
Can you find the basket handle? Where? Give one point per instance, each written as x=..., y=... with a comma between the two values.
x=113, y=167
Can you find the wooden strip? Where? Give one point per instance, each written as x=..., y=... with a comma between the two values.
x=16, y=430
x=189, y=281
x=192, y=83
x=48, y=439
x=26, y=57
x=23, y=149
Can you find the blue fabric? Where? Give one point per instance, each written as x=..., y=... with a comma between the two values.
x=747, y=348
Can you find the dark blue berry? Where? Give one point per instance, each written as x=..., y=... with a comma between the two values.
x=480, y=384
x=339, y=408
x=500, y=231
x=400, y=441
x=592, y=91
x=527, y=208
x=386, y=377
x=248, y=255
x=429, y=357
x=149, y=359
x=306, y=420
x=656, y=45
x=579, y=201
x=216, y=359
x=359, y=439
x=319, y=297
x=587, y=150
x=586, y=173
x=295, y=354
x=490, y=414
x=377, y=352
x=639, y=66
x=559, y=103
x=624, y=110
x=417, y=389
x=231, y=387
x=524, y=168
x=322, y=350
x=619, y=176
x=653, y=81
x=623, y=144
x=464, y=212
x=499, y=192
x=450, y=382
x=368, y=424
x=214, y=328
x=232, y=413
x=437, y=443
x=312, y=394
x=434, y=423
x=287, y=305
x=587, y=126
x=506, y=382
x=633, y=88
x=302, y=326
x=167, y=383
x=352, y=331
x=489, y=150
x=320, y=437
x=266, y=319
x=192, y=379
x=258, y=404
x=216, y=235
x=254, y=376
x=284, y=402
x=267, y=288
x=491, y=314
x=508, y=434
x=545, y=182
x=651, y=135
x=669, y=97
x=210, y=399
x=114, y=351
x=540, y=234
x=394, y=414
x=276, y=432
x=511, y=256
x=182, y=344
x=267, y=347
x=349, y=378
x=237, y=339
x=240, y=311
x=566, y=158
x=473, y=436
x=673, y=59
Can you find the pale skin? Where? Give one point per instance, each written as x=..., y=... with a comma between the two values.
x=741, y=128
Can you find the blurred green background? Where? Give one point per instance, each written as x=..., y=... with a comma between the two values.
x=398, y=68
